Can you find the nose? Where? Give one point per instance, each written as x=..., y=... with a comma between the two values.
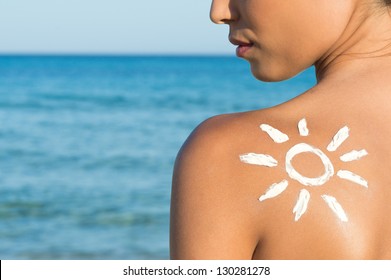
x=221, y=12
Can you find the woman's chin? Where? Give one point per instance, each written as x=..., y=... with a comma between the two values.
x=271, y=74
x=267, y=76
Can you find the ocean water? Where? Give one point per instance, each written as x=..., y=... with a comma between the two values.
x=87, y=146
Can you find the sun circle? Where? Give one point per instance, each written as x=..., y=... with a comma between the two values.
x=305, y=148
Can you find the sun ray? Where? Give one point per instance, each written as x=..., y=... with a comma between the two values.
x=302, y=204
x=275, y=134
x=274, y=190
x=354, y=155
x=335, y=207
x=259, y=159
x=338, y=139
x=303, y=129
x=350, y=176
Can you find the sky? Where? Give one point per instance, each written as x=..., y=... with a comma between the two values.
x=110, y=27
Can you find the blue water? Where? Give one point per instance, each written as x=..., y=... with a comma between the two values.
x=87, y=146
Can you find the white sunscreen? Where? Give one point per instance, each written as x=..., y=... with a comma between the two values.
x=354, y=155
x=338, y=139
x=335, y=207
x=303, y=148
x=350, y=176
x=275, y=134
x=274, y=190
x=303, y=129
x=302, y=204
x=259, y=159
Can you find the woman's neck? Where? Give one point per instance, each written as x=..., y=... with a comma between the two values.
x=366, y=38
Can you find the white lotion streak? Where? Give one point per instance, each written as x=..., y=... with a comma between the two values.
x=305, y=148
x=335, y=207
x=303, y=129
x=302, y=204
x=274, y=190
x=350, y=176
x=259, y=159
x=354, y=155
x=338, y=139
x=275, y=134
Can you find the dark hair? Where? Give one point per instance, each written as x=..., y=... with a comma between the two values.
x=387, y=2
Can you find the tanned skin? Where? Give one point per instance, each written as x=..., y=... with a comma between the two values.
x=215, y=211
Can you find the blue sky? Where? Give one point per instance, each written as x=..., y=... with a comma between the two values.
x=110, y=27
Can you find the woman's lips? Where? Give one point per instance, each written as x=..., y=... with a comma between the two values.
x=242, y=49
x=243, y=45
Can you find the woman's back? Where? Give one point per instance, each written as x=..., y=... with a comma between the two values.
x=349, y=216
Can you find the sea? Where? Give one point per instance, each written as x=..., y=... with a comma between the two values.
x=88, y=143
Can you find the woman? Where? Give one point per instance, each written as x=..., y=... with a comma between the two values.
x=306, y=179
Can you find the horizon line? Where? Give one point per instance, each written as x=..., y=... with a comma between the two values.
x=109, y=54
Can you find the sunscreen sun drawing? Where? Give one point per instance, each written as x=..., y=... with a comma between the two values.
x=304, y=195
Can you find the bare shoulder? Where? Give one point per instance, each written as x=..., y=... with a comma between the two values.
x=218, y=135
x=214, y=137
x=208, y=216
x=216, y=144
x=214, y=197
x=277, y=180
